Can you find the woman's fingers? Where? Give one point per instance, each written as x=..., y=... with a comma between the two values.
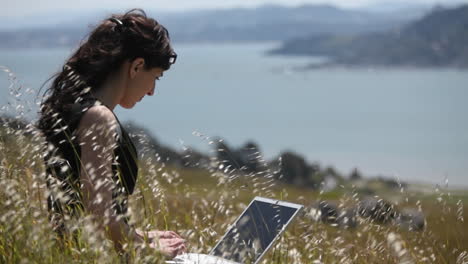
x=163, y=234
x=174, y=234
x=168, y=234
x=175, y=242
x=169, y=243
x=170, y=247
x=182, y=249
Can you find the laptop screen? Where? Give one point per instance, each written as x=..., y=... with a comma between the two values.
x=254, y=231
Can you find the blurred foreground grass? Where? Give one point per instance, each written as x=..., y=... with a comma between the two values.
x=200, y=204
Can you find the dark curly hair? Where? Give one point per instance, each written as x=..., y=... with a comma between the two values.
x=115, y=40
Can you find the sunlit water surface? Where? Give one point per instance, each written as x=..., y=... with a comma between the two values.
x=405, y=123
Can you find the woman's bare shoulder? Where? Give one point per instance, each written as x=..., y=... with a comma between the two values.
x=99, y=113
x=98, y=117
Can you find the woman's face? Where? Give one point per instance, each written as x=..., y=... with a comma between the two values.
x=141, y=82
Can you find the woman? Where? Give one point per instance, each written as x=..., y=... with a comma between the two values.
x=91, y=162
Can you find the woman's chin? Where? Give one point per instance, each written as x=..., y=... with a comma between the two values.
x=127, y=105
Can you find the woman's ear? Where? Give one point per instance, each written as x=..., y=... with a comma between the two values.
x=135, y=66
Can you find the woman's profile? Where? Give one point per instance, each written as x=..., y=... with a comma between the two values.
x=91, y=161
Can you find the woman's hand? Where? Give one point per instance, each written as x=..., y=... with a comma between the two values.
x=169, y=243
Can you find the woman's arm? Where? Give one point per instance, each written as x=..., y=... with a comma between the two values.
x=97, y=136
x=98, y=139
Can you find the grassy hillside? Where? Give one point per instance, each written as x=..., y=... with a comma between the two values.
x=200, y=205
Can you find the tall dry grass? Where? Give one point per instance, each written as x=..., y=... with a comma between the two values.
x=201, y=204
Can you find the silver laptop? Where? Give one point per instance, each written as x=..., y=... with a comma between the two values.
x=251, y=236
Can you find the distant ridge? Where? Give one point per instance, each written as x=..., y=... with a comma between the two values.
x=440, y=39
x=265, y=23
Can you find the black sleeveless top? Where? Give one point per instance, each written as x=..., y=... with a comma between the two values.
x=63, y=166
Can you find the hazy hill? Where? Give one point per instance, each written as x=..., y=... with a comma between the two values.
x=266, y=23
x=439, y=39
x=275, y=23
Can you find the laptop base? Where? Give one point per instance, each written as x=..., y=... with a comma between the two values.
x=193, y=258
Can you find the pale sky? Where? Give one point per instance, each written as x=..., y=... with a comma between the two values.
x=27, y=7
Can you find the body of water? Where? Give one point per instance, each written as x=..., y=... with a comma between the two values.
x=405, y=123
